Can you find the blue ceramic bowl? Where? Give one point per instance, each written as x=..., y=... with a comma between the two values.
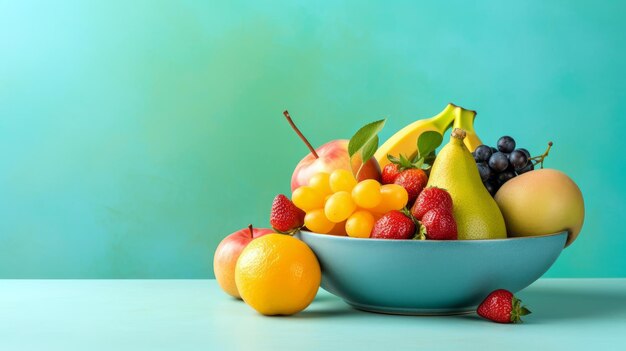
x=429, y=277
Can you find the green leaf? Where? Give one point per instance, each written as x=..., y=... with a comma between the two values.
x=430, y=158
x=404, y=160
x=416, y=157
x=366, y=139
x=421, y=232
x=428, y=142
x=404, y=163
x=369, y=149
x=393, y=159
x=419, y=163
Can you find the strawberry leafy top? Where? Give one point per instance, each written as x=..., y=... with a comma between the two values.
x=425, y=156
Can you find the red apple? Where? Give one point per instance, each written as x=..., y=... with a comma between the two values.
x=228, y=252
x=331, y=156
x=327, y=158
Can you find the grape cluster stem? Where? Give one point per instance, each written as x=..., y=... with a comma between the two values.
x=539, y=159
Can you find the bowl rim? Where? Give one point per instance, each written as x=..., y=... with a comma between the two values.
x=341, y=237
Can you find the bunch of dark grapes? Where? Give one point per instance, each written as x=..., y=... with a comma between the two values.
x=497, y=166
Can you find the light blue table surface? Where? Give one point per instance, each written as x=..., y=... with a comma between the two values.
x=568, y=314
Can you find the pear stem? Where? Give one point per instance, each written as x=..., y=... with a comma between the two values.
x=459, y=133
x=293, y=126
x=251, y=231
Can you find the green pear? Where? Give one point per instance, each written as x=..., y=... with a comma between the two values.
x=476, y=213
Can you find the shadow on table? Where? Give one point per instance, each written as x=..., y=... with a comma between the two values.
x=324, y=306
x=548, y=303
x=567, y=303
x=562, y=303
x=323, y=313
x=325, y=298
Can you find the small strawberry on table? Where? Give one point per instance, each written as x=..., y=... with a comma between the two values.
x=502, y=307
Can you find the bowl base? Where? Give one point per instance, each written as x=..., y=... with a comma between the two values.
x=412, y=311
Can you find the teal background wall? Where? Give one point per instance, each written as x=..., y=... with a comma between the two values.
x=134, y=135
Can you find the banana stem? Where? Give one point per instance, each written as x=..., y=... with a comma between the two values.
x=293, y=126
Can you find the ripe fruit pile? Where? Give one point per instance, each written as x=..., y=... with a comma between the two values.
x=339, y=189
x=497, y=166
x=431, y=214
x=406, y=174
x=433, y=209
x=336, y=203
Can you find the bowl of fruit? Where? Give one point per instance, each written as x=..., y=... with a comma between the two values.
x=402, y=229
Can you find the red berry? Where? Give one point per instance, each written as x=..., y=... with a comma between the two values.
x=429, y=198
x=393, y=225
x=439, y=224
x=285, y=217
x=413, y=180
x=502, y=307
x=390, y=173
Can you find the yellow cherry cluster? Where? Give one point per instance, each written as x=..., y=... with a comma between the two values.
x=337, y=204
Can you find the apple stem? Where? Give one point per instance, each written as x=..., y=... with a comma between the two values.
x=293, y=125
x=251, y=231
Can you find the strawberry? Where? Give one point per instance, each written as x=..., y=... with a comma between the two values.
x=390, y=173
x=413, y=180
x=393, y=225
x=285, y=217
x=502, y=307
x=438, y=224
x=429, y=198
x=396, y=165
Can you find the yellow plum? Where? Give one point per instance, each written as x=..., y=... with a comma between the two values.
x=540, y=202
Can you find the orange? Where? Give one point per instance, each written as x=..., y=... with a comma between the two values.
x=277, y=274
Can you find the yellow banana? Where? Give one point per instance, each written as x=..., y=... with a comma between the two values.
x=405, y=140
x=465, y=121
